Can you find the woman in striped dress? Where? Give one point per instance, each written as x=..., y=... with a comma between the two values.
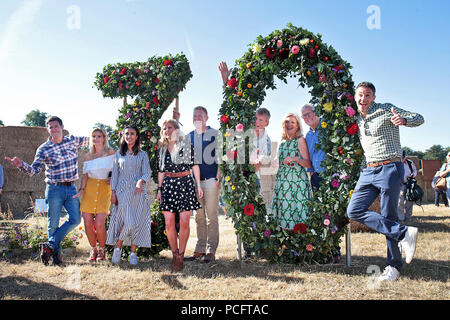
x=130, y=222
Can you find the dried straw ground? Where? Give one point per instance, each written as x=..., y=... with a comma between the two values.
x=427, y=277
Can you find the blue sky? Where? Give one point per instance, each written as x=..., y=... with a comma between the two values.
x=48, y=64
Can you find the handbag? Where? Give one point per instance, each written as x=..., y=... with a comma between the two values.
x=441, y=184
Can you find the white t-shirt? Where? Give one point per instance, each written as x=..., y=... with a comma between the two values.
x=98, y=168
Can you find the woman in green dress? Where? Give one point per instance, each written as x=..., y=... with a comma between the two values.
x=292, y=187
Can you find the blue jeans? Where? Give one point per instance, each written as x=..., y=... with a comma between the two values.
x=384, y=181
x=57, y=197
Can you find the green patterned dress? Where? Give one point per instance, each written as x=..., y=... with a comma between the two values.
x=292, y=188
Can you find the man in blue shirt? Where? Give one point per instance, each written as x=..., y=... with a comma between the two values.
x=312, y=139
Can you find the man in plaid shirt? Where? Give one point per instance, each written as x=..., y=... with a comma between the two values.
x=60, y=157
x=379, y=135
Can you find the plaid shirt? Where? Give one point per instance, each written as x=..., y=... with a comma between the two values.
x=380, y=138
x=60, y=159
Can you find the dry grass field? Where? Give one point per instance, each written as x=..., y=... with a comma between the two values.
x=427, y=277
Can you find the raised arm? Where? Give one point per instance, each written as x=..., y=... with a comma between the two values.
x=405, y=118
x=224, y=72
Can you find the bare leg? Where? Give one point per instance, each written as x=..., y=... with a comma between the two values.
x=100, y=227
x=171, y=232
x=185, y=217
x=89, y=228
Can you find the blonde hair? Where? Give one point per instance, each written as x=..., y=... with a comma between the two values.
x=106, y=147
x=298, y=133
x=180, y=142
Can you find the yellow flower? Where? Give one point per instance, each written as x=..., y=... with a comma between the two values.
x=328, y=106
x=323, y=124
x=249, y=85
x=233, y=188
x=252, y=104
x=350, y=194
x=249, y=65
x=134, y=104
x=227, y=178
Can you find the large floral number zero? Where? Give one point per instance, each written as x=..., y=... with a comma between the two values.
x=291, y=52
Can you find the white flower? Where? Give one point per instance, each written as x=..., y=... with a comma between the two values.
x=153, y=139
x=257, y=48
x=304, y=42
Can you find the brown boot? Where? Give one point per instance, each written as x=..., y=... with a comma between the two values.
x=178, y=261
x=174, y=259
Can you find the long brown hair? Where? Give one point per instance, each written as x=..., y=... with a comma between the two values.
x=123, y=145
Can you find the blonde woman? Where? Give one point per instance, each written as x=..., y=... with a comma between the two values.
x=95, y=191
x=176, y=187
x=291, y=188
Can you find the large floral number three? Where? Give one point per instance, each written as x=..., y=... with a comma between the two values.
x=154, y=84
x=291, y=52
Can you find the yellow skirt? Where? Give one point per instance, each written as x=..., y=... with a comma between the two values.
x=97, y=197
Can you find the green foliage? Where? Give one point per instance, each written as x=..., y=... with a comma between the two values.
x=293, y=52
x=154, y=83
x=436, y=152
x=35, y=118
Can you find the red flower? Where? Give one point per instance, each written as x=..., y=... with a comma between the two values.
x=231, y=154
x=249, y=209
x=120, y=85
x=106, y=79
x=156, y=100
x=123, y=71
x=156, y=80
x=138, y=83
x=270, y=53
x=300, y=227
x=352, y=128
x=311, y=53
x=224, y=119
x=168, y=62
x=232, y=83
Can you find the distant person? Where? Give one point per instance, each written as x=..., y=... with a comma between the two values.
x=291, y=191
x=60, y=157
x=176, y=187
x=95, y=192
x=379, y=134
x=405, y=207
x=437, y=192
x=2, y=180
x=131, y=220
x=445, y=173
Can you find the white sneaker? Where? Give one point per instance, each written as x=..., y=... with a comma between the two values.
x=389, y=274
x=117, y=254
x=134, y=260
x=408, y=244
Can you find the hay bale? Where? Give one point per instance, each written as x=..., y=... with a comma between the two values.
x=19, y=187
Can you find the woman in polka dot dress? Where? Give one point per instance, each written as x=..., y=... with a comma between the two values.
x=176, y=187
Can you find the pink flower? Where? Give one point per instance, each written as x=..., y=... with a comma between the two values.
x=350, y=111
x=326, y=222
x=295, y=49
x=267, y=233
x=335, y=183
x=279, y=43
x=240, y=127
x=309, y=247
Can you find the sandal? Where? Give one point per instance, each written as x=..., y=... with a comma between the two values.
x=101, y=254
x=93, y=254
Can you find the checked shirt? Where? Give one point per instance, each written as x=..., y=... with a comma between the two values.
x=60, y=159
x=380, y=138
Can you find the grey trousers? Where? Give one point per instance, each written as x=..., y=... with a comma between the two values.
x=207, y=219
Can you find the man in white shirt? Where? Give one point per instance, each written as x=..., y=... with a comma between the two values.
x=404, y=205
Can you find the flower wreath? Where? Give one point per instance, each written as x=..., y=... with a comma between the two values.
x=292, y=52
x=155, y=83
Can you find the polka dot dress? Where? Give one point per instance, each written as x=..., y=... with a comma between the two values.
x=178, y=194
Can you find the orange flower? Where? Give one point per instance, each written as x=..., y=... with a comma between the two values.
x=239, y=93
x=249, y=85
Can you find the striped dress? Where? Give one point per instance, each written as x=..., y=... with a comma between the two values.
x=131, y=218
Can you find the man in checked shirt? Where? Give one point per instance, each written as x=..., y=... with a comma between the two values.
x=60, y=157
x=378, y=132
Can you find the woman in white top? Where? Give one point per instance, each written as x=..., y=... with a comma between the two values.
x=96, y=192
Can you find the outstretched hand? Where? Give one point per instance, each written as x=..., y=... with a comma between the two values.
x=396, y=119
x=16, y=162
